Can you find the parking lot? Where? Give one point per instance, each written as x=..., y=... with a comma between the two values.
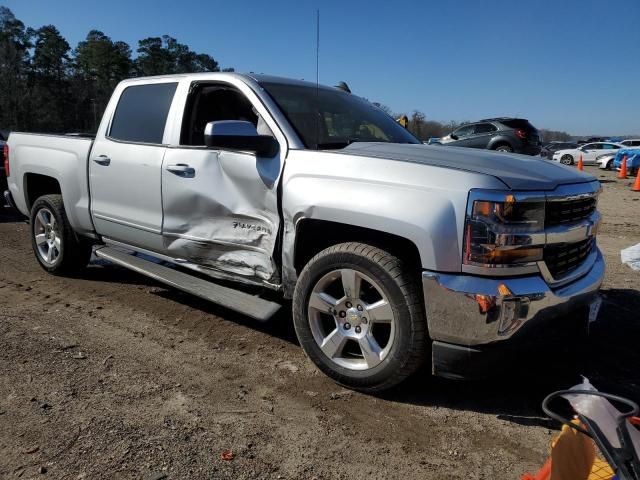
x=113, y=376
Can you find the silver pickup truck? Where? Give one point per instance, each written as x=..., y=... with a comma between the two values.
x=394, y=254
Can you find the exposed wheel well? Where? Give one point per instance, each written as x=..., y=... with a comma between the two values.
x=313, y=236
x=36, y=185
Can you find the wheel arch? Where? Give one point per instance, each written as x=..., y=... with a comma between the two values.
x=314, y=235
x=35, y=185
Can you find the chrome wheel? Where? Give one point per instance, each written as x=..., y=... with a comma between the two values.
x=351, y=319
x=47, y=236
x=566, y=160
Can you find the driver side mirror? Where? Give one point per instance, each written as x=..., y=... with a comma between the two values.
x=239, y=135
x=453, y=136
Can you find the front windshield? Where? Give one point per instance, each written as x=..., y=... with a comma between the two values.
x=330, y=119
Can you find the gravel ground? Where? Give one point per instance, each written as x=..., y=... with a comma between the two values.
x=113, y=376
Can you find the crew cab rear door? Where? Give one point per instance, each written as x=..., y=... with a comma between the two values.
x=221, y=206
x=126, y=161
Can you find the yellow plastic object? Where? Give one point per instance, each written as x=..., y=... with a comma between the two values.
x=573, y=457
x=601, y=471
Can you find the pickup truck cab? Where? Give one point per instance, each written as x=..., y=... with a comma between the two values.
x=394, y=254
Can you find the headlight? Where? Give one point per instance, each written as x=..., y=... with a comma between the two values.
x=502, y=231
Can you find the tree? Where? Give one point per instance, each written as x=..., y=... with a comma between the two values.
x=416, y=124
x=48, y=80
x=14, y=63
x=158, y=56
x=99, y=65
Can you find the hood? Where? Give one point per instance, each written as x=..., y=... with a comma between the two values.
x=518, y=172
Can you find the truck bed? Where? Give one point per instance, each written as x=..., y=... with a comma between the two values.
x=63, y=157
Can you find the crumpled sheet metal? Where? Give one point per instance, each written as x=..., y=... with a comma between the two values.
x=224, y=218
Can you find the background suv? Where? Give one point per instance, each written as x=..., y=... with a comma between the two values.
x=501, y=134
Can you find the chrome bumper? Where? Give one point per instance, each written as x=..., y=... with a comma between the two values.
x=454, y=304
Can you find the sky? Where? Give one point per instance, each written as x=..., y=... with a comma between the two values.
x=571, y=65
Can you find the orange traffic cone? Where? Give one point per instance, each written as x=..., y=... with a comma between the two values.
x=623, y=168
x=580, y=164
x=636, y=186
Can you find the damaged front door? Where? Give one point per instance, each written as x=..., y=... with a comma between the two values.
x=221, y=206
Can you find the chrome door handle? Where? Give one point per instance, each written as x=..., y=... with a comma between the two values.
x=102, y=160
x=182, y=170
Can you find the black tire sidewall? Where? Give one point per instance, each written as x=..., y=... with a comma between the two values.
x=399, y=353
x=504, y=149
x=565, y=156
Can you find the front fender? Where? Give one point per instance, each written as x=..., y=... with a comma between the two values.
x=423, y=204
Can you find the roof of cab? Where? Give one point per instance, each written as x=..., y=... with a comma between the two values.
x=259, y=78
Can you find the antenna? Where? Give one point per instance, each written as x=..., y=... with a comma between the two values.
x=317, y=78
x=317, y=48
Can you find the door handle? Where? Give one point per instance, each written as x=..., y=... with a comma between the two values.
x=102, y=160
x=182, y=170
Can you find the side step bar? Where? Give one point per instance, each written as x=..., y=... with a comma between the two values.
x=250, y=305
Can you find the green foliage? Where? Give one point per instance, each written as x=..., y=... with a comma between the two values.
x=47, y=87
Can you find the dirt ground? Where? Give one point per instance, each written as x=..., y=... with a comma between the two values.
x=114, y=376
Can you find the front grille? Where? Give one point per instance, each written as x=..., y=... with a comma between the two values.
x=568, y=211
x=561, y=259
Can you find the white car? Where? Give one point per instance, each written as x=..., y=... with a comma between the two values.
x=605, y=162
x=589, y=151
x=631, y=143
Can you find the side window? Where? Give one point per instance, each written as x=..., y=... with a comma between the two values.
x=590, y=146
x=608, y=146
x=142, y=112
x=464, y=131
x=484, y=128
x=212, y=102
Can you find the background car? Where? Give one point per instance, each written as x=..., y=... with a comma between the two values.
x=550, y=148
x=589, y=151
x=631, y=143
x=502, y=134
x=605, y=161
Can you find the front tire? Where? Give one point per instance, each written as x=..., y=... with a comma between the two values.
x=566, y=159
x=359, y=316
x=56, y=246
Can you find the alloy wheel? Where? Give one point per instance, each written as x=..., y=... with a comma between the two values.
x=351, y=319
x=47, y=236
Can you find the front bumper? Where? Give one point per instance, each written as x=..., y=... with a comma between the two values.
x=458, y=326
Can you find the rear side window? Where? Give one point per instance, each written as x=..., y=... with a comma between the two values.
x=518, y=123
x=142, y=112
x=485, y=128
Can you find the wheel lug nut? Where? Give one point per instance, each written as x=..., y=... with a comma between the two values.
x=348, y=305
x=364, y=320
x=358, y=329
x=347, y=326
x=359, y=308
x=343, y=314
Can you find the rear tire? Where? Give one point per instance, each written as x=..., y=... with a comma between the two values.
x=566, y=159
x=358, y=313
x=57, y=247
x=504, y=148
